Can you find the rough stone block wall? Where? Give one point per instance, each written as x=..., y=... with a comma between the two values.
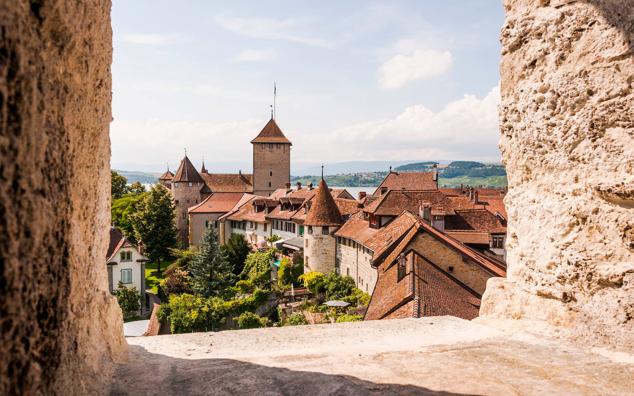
x=276, y=159
x=61, y=328
x=320, y=251
x=567, y=139
x=184, y=198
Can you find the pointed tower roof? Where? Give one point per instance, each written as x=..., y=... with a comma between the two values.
x=187, y=172
x=168, y=175
x=271, y=133
x=323, y=210
x=203, y=169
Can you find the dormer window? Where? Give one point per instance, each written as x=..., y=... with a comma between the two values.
x=126, y=255
x=383, y=190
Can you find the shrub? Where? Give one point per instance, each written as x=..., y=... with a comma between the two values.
x=285, y=273
x=249, y=320
x=314, y=281
x=129, y=300
x=357, y=298
x=183, y=258
x=236, y=250
x=188, y=313
x=296, y=319
x=244, y=287
x=348, y=318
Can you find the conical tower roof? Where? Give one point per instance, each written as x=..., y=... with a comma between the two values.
x=203, y=169
x=187, y=172
x=168, y=175
x=271, y=133
x=323, y=210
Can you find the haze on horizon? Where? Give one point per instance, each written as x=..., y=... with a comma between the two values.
x=356, y=81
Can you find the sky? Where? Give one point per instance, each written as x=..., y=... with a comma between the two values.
x=356, y=80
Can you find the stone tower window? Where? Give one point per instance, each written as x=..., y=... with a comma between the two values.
x=270, y=173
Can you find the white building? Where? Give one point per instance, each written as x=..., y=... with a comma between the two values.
x=125, y=264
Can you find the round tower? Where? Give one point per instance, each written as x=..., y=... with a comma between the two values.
x=186, y=190
x=322, y=221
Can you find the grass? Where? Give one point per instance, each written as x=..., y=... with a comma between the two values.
x=489, y=181
x=152, y=276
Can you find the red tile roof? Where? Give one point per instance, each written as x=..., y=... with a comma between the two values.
x=168, y=175
x=475, y=220
x=247, y=212
x=228, y=182
x=117, y=241
x=187, y=172
x=323, y=209
x=271, y=133
x=347, y=207
x=217, y=203
x=408, y=181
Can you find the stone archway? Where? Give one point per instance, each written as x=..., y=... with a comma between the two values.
x=566, y=120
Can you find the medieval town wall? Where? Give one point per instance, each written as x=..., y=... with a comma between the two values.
x=61, y=327
x=319, y=251
x=567, y=133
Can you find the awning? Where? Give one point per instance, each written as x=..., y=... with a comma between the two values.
x=296, y=243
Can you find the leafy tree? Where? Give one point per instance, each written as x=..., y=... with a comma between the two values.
x=129, y=300
x=236, y=250
x=314, y=281
x=272, y=239
x=296, y=319
x=183, y=258
x=211, y=272
x=288, y=274
x=154, y=224
x=337, y=286
x=187, y=313
x=136, y=188
x=176, y=281
x=119, y=185
x=249, y=320
x=257, y=267
x=123, y=210
x=358, y=298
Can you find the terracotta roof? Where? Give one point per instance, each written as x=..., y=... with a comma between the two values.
x=246, y=198
x=247, y=212
x=495, y=205
x=271, y=133
x=278, y=193
x=347, y=207
x=217, y=203
x=187, y=172
x=408, y=181
x=168, y=175
x=341, y=193
x=394, y=202
x=391, y=234
x=228, y=182
x=473, y=237
x=357, y=229
x=117, y=241
x=475, y=220
x=323, y=210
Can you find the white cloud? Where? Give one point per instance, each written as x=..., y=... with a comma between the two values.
x=273, y=29
x=252, y=55
x=413, y=65
x=154, y=39
x=466, y=128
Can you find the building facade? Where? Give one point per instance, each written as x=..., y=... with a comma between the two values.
x=271, y=160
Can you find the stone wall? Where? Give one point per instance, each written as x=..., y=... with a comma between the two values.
x=61, y=328
x=355, y=262
x=567, y=139
x=319, y=250
x=271, y=164
x=184, y=198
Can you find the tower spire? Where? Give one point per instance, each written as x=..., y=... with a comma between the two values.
x=274, y=100
x=322, y=171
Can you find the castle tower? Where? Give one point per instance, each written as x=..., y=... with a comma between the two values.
x=186, y=190
x=322, y=221
x=271, y=160
x=166, y=178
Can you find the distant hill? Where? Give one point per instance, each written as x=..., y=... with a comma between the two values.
x=141, y=177
x=416, y=167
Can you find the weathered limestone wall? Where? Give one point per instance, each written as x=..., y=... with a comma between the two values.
x=184, y=198
x=319, y=251
x=567, y=139
x=61, y=329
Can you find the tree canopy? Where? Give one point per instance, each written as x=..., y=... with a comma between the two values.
x=154, y=224
x=236, y=250
x=123, y=210
x=119, y=185
x=210, y=271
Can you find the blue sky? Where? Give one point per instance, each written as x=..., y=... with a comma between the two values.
x=356, y=80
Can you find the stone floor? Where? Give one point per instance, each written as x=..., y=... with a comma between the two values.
x=440, y=355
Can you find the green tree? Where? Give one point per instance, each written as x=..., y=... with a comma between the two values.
x=211, y=272
x=257, y=267
x=183, y=257
x=236, y=250
x=129, y=300
x=136, y=188
x=296, y=319
x=123, y=210
x=337, y=286
x=314, y=281
x=154, y=224
x=119, y=185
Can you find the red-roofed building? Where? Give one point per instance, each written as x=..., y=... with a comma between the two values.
x=205, y=215
x=420, y=181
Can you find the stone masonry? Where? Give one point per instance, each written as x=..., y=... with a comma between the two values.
x=567, y=140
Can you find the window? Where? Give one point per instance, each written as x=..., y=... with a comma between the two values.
x=310, y=230
x=498, y=242
x=383, y=190
x=126, y=256
x=402, y=267
x=265, y=227
x=206, y=223
x=190, y=184
x=347, y=271
x=270, y=173
x=450, y=268
x=269, y=184
x=126, y=276
x=176, y=185
x=325, y=230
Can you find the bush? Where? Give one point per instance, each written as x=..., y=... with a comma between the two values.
x=349, y=318
x=296, y=319
x=244, y=287
x=249, y=320
x=285, y=273
x=188, y=313
x=236, y=250
x=183, y=258
x=314, y=281
x=129, y=300
x=357, y=298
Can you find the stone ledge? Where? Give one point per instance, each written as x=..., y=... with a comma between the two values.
x=406, y=356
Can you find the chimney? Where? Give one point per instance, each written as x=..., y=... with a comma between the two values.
x=240, y=172
x=299, y=185
x=435, y=174
x=362, y=194
x=461, y=188
x=310, y=185
x=288, y=185
x=475, y=196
